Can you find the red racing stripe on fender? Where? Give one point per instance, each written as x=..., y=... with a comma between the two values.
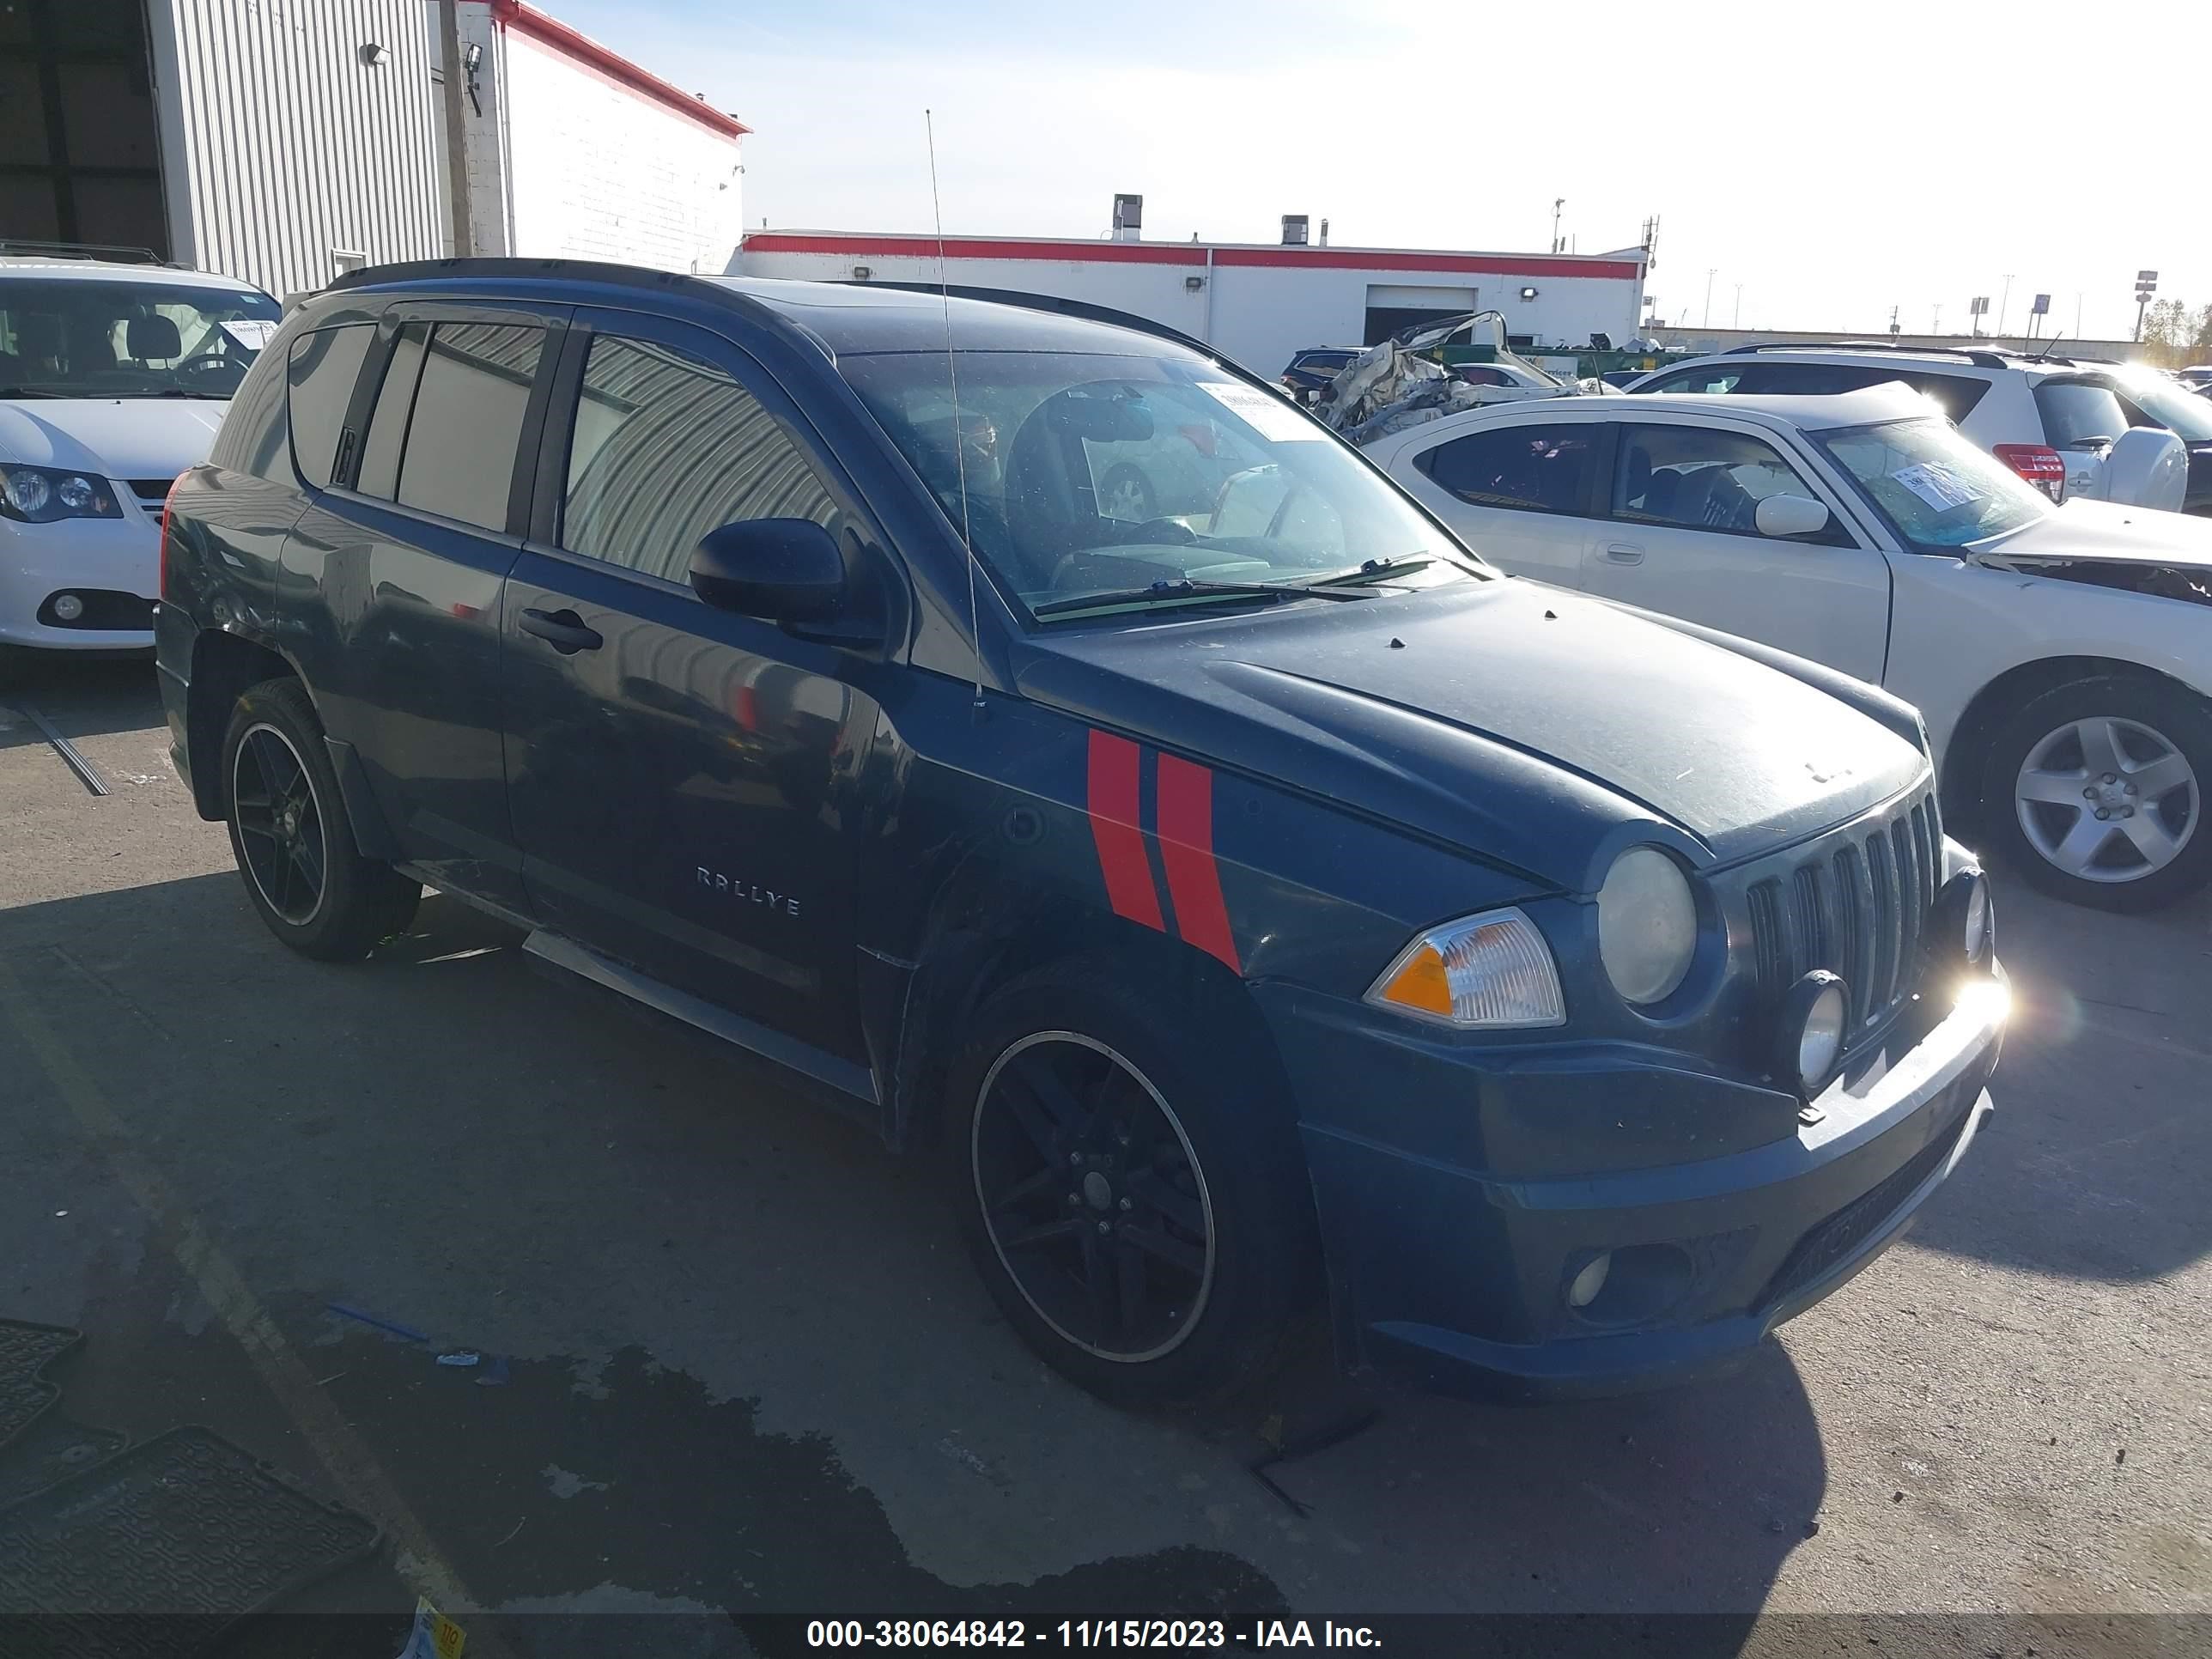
x=1112, y=804
x=1186, y=820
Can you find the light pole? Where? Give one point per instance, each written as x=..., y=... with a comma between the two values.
x=1558, y=201
x=2003, y=301
x=1737, y=320
x=1936, y=327
x=1710, y=275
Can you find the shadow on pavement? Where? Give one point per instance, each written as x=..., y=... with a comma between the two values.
x=2094, y=1166
x=742, y=1363
x=84, y=697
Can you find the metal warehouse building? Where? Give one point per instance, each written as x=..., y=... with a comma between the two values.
x=1259, y=303
x=284, y=141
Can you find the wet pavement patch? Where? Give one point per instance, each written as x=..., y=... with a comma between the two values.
x=632, y=1477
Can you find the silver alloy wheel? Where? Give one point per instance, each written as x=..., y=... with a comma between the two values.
x=284, y=844
x=1126, y=1211
x=1127, y=500
x=2107, y=800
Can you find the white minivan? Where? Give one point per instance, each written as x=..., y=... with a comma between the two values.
x=113, y=378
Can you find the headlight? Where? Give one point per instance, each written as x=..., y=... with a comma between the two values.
x=1962, y=913
x=1493, y=970
x=1647, y=924
x=40, y=495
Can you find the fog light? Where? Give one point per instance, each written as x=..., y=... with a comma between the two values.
x=1811, y=1040
x=1590, y=1280
x=68, y=607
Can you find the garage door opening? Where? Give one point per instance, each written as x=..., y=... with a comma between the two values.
x=1393, y=307
x=78, y=161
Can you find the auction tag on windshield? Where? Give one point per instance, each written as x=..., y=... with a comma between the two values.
x=1936, y=484
x=1267, y=414
x=251, y=332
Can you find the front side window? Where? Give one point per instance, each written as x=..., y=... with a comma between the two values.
x=1083, y=474
x=667, y=446
x=114, y=339
x=1538, y=469
x=1698, y=477
x=1937, y=491
x=320, y=372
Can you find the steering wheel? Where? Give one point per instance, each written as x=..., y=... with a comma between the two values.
x=1174, y=531
x=205, y=362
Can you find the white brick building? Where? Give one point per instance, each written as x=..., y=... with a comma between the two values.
x=575, y=152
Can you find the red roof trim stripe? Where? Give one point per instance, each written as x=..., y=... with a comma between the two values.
x=612, y=65
x=1189, y=253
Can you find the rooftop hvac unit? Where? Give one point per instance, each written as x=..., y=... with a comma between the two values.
x=1129, y=218
x=1294, y=230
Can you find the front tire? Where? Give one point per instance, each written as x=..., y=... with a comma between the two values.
x=2097, y=793
x=288, y=832
x=1131, y=1195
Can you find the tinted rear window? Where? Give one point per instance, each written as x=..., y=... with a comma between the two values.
x=2076, y=411
x=468, y=421
x=323, y=365
x=1540, y=468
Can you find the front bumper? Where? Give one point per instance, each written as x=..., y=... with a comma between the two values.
x=1454, y=1274
x=113, y=562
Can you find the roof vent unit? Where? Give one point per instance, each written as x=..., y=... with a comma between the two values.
x=1129, y=218
x=1294, y=230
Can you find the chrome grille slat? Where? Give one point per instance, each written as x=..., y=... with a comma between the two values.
x=1881, y=865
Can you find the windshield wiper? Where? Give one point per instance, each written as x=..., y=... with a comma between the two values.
x=1377, y=570
x=30, y=391
x=1186, y=588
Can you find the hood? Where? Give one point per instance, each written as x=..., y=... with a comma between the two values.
x=2103, y=532
x=117, y=438
x=1514, y=721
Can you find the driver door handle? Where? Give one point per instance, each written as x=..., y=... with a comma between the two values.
x=563, y=630
x=1623, y=553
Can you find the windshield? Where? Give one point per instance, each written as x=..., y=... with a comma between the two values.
x=2180, y=412
x=104, y=339
x=1936, y=490
x=1089, y=474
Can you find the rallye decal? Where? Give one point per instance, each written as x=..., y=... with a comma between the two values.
x=1184, y=810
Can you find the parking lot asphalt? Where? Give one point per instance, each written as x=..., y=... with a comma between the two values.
x=746, y=1366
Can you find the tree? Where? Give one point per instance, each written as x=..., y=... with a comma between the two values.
x=2170, y=332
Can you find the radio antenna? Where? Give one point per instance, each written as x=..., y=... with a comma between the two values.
x=952, y=375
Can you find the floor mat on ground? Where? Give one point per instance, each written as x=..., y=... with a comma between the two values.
x=25, y=1349
x=155, y=1552
x=52, y=1449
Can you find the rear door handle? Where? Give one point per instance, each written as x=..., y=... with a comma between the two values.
x=1623, y=553
x=563, y=630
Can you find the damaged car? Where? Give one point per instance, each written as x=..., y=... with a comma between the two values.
x=2061, y=655
x=1434, y=369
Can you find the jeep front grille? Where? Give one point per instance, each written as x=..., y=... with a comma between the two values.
x=1854, y=904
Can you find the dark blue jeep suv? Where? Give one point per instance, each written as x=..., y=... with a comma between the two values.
x=1274, y=918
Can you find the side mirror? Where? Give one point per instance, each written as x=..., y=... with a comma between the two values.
x=1790, y=515
x=782, y=570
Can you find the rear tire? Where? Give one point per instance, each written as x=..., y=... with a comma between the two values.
x=289, y=834
x=1132, y=1195
x=2047, y=780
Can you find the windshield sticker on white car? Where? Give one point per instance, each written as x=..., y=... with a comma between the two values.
x=251, y=333
x=1267, y=414
x=1938, y=485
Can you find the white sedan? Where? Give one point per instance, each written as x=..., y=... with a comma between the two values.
x=2062, y=656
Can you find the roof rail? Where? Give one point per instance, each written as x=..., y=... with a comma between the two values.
x=115, y=250
x=1978, y=358
x=1066, y=307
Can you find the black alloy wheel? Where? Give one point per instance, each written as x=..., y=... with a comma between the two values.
x=1092, y=1197
x=282, y=841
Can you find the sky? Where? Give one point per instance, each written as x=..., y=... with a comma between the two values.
x=1811, y=164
